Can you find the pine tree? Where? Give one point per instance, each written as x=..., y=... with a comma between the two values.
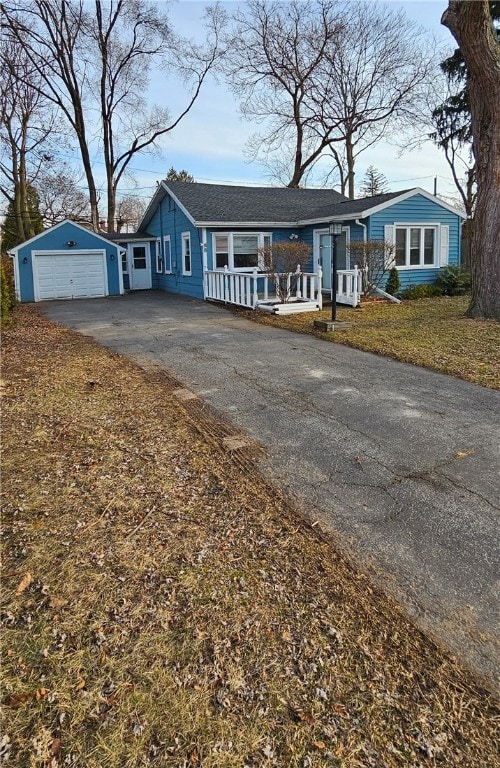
x=374, y=183
x=174, y=175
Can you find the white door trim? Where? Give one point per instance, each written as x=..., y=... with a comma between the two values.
x=145, y=273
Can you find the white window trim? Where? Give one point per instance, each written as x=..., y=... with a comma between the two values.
x=418, y=225
x=124, y=248
x=166, y=239
x=159, y=257
x=186, y=237
x=230, y=246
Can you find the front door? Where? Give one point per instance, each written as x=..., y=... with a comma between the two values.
x=140, y=274
x=323, y=255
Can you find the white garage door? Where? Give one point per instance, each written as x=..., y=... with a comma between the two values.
x=69, y=275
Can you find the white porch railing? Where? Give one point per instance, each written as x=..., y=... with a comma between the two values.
x=349, y=286
x=249, y=289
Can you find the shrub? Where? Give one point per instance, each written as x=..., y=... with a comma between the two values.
x=393, y=284
x=374, y=258
x=453, y=281
x=281, y=261
x=7, y=293
x=424, y=291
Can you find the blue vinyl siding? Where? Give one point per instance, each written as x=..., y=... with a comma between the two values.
x=169, y=219
x=419, y=210
x=55, y=239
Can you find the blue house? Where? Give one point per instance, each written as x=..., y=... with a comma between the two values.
x=67, y=261
x=205, y=230
x=206, y=241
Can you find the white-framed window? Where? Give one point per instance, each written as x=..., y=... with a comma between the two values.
x=124, y=258
x=167, y=255
x=416, y=246
x=240, y=251
x=159, y=257
x=186, y=253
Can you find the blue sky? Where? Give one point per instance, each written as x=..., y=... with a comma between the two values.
x=210, y=141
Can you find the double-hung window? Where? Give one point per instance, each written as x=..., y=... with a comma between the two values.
x=159, y=259
x=240, y=251
x=167, y=255
x=186, y=253
x=416, y=246
x=124, y=258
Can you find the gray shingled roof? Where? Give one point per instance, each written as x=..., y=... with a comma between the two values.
x=126, y=237
x=353, y=207
x=224, y=203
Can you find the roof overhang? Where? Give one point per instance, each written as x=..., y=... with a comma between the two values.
x=57, y=226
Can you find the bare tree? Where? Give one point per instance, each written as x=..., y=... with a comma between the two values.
x=129, y=211
x=273, y=59
x=61, y=196
x=472, y=27
x=25, y=131
x=326, y=78
x=372, y=80
x=96, y=61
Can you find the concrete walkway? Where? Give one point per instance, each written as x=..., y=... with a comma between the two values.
x=401, y=463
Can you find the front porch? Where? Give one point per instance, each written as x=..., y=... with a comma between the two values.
x=257, y=290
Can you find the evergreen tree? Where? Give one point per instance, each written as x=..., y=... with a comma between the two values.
x=174, y=175
x=374, y=183
x=12, y=231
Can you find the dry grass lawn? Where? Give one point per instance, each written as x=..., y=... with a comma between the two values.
x=162, y=606
x=430, y=332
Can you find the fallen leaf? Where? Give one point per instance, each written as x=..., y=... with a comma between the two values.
x=80, y=684
x=55, y=747
x=16, y=700
x=41, y=693
x=463, y=454
x=24, y=583
x=319, y=744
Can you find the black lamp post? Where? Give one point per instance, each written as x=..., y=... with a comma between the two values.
x=335, y=230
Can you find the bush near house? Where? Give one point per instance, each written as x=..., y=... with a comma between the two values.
x=424, y=291
x=7, y=292
x=375, y=258
x=453, y=281
x=393, y=284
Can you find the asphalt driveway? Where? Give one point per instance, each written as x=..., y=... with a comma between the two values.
x=400, y=463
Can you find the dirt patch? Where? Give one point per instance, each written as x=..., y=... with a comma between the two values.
x=162, y=605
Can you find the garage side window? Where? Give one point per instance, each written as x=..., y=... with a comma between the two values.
x=167, y=256
x=124, y=258
x=159, y=257
x=186, y=253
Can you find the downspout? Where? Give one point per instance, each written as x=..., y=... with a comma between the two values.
x=17, y=284
x=360, y=224
x=204, y=257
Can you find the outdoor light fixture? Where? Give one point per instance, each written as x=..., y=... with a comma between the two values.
x=25, y=260
x=112, y=257
x=71, y=243
x=335, y=230
x=293, y=237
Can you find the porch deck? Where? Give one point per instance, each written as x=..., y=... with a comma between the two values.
x=257, y=290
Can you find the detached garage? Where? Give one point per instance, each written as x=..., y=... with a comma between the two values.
x=67, y=262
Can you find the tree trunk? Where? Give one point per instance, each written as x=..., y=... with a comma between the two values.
x=349, y=153
x=471, y=25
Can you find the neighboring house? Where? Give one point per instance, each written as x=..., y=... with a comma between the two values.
x=202, y=228
x=197, y=236
x=67, y=261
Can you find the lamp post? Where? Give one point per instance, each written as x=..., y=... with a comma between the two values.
x=335, y=230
